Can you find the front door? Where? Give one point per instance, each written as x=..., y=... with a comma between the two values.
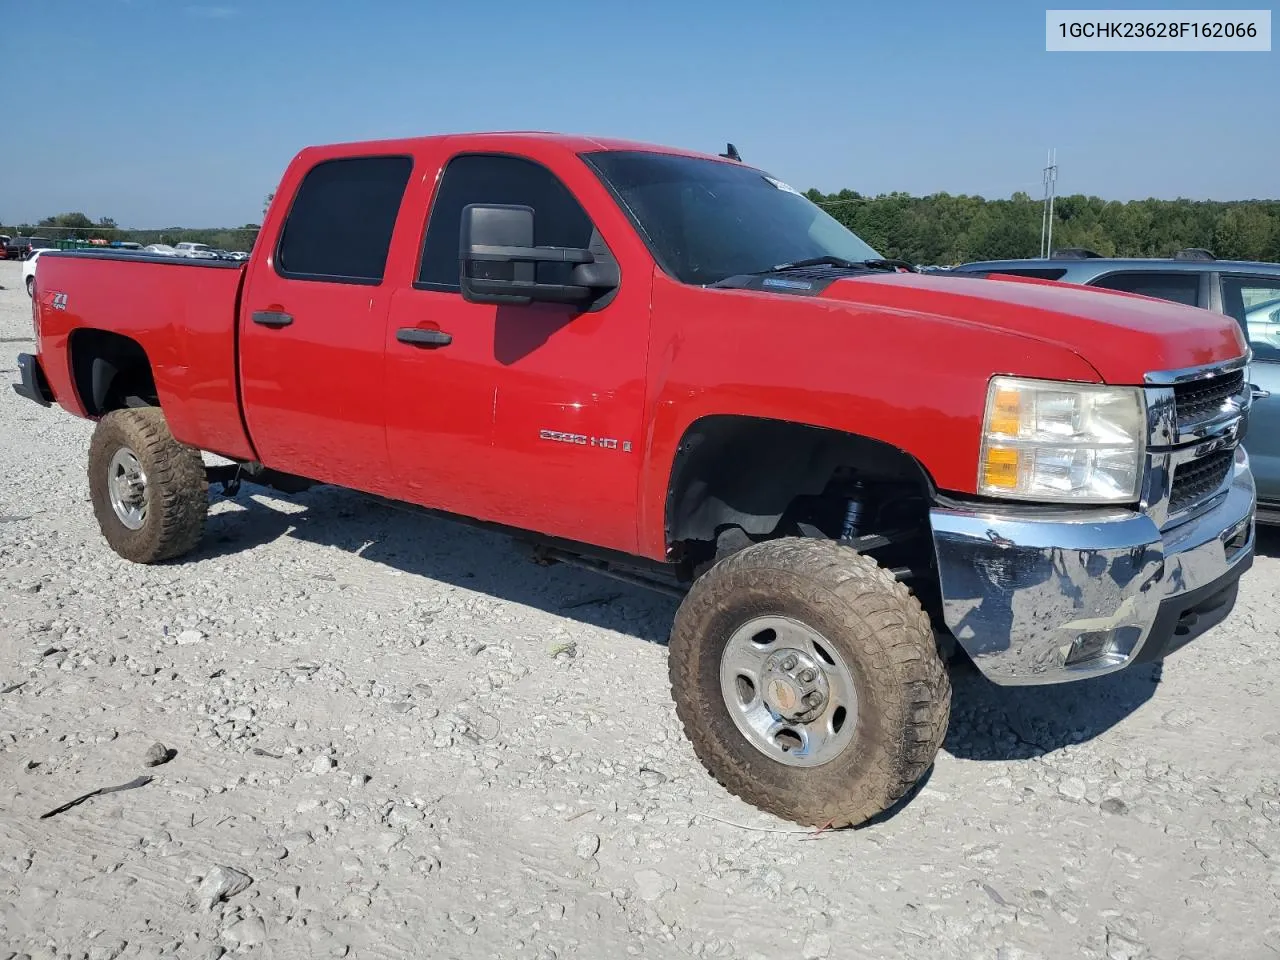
x=1254, y=301
x=529, y=416
x=312, y=325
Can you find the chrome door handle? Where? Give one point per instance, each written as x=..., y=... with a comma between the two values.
x=1258, y=392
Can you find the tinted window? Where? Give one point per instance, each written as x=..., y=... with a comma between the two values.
x=340, y=224
x=1178, y=287
x=1255, y=303
x=558, y=218
x=706, y=220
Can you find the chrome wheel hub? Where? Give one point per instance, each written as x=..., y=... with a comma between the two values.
x=127, y=487
x=788, y=691
x=795, y=686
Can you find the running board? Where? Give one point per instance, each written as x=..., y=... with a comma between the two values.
x=547, y=555
x=232, y=475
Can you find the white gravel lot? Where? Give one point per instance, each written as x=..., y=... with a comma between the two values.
x=418, y=744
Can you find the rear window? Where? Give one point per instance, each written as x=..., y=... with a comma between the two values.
x=340, y=224
x=1178, y=287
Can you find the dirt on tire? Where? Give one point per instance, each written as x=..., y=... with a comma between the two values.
x=177, y=486
x=883, y=635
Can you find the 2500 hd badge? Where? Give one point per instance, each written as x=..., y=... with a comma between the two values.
x=582, y=440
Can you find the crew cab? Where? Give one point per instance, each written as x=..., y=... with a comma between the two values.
x=675, y=369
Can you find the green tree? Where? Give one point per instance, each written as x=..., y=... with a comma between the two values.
x=68, y=226
x=1243, y=233
x=941, y=228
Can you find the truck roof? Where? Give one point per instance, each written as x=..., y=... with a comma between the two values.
x=508, y=139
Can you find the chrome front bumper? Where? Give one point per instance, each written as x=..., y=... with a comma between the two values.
x=1045, y=597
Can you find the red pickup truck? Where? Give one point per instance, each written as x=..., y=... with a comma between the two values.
x=675, y=369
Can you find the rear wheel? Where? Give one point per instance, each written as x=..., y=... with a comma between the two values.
x=150, y=492
x=31, y=287
x=808, y=681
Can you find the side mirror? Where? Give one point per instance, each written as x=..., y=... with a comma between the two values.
x=499, y=261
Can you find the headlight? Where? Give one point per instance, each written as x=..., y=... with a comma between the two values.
x=1062, y=442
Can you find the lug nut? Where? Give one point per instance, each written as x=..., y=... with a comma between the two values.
x=789, y=663
x=807, y=676
x=813, y=699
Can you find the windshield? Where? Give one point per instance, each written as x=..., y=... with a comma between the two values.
x=705, y=220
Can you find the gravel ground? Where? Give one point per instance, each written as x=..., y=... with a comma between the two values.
x=408, y=741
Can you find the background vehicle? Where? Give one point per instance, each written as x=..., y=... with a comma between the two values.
x=4, y=246
x=29, y=271
x=19, y=248
x=163, y=249
x=201, y=250
x=677, y=370
x=1247, y=291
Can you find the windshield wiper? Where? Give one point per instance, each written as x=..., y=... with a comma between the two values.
x=812, y=262
x=891, y=264
x=828, y=261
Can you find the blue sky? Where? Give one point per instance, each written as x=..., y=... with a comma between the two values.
x=164, y=112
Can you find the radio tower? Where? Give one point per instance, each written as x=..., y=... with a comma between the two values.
x=1046, y=220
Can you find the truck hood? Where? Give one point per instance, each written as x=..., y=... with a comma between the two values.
x=1122, y=336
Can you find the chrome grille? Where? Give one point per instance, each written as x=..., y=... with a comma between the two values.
x=1195, y=480
x=1196, y=401
x=1194, y=420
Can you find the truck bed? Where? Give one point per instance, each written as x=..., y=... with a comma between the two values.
x=181, y=311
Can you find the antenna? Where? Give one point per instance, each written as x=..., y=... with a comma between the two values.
x=1046, y=220
x=731, y=153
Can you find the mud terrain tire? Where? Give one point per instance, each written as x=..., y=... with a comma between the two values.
x=170, y=505
x=868, y=620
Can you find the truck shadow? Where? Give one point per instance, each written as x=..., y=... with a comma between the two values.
x=988, y=722
x=451, y=553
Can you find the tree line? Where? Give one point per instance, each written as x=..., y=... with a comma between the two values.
x=936, y=229
x=946, y=229
x=77, y=226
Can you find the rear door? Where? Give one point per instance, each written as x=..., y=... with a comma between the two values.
x=313, y=320
x=1254, y=301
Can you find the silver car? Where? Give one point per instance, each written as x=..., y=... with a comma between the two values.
x=1246, y=290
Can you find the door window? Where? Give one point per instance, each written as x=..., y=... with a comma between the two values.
x=340, y=224
x=558, y=218
x=1255, y=304
x=1179, y=287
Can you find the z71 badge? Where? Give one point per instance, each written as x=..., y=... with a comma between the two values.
x=582, y=440
x=59, y=301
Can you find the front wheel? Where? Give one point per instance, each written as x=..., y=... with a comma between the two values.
x=150, y=493
x=808, y=681
x=31, y=287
